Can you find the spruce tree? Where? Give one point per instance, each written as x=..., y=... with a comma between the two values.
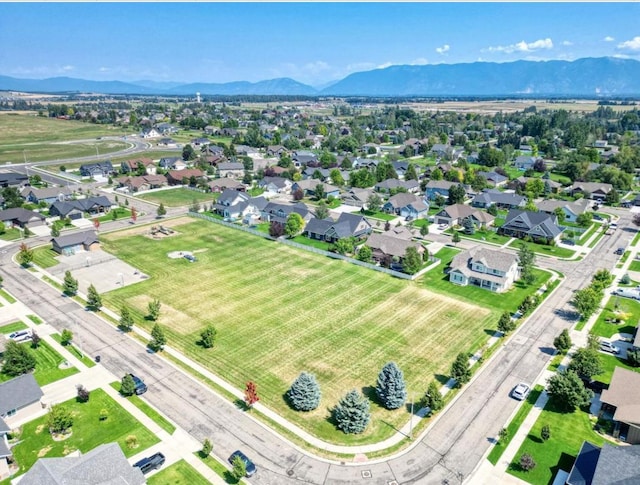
x=304, y=394
x=158, y=340
x=94, y=302
x=391, y=388
x=460, y=368
x=433, y=398
x=18, y=359
x=127, y=386
x=70, y=284
x=126, y=321
x=352, y=413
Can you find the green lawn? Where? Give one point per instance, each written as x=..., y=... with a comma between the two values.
x=87, y=431
x=307, y=241
x=34, y=319
x=628, y=311
x=45, y=257
x=609, y=363
x=220, y=469
x=547, y=250
x=11, y=234
x=86, y=360
x=255, y=191
x=13, y=327
x=636, y=238
x=148, y=410
x=377, y=215
x=47, y=365
x=180, y=473
x=489, y=236
x=294, y=311
x=568, y=431
x=514, y=425
x=7, y=296
x=635, y=265
x=178, y=197
x=120, y=213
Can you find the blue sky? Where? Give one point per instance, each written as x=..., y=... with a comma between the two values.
x=310, y=42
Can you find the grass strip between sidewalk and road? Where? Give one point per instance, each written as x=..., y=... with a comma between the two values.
x=180, y=473
x=151, y=413
x=85, y=359
x=219, y=469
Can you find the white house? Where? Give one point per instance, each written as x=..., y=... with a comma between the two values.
x=486, y=268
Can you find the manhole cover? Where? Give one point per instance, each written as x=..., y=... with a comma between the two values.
x=366, y=474
x=290, y=473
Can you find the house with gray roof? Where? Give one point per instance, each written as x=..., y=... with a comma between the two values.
x=539, y=226
x=73, y=243
x=438, y=187
x=19, y=217
x=356, y=197
x=386, y=247
x=592, y=190
x=622, y=399
x=405, y=204
x=276, y=185
x=494, y=179
x=502, y=200
x=605, y=466
x=231, y=169
x=455, y=214
x=347, y=225
x=485, y=268
x=48, y=194
x=571, y=209
x=308, y=187
x=19, y=397
x=275, y=212
x=76, y=209
x=104, y=465
x=412, y=186
x=5, y=451
x=97, y=169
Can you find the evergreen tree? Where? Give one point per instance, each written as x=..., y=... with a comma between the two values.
x=304, y=394
x=94, y=302
x=126, y=321
x=391, y=388
x=127, y=386
x=526, y=259
x=161, y=210
x=433, y=398
x=60, y=419
x=411, y=173
x=66, y=337
x=469, y=228
x=352, y=413
x=55, y=230
x=70, y=284
x=411, y=262
x=506, y=323
x=207, y=447
x=460, y=368
x=239, y=468
x=18, y=359
x=154, y=309
x=208, y=337
x=158, y=339
x=563, y=342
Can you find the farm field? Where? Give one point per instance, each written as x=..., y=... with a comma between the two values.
x=177, y=197
x=279, y=311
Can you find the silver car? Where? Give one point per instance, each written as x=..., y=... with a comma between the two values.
x=521, y=391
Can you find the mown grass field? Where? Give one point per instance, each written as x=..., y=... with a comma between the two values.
x=178, y=197
x=47, y=365
x=180, y=473
x=279, y=311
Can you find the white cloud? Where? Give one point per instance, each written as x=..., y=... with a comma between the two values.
x=567, y=42
x=384, y=65
x=630, y=45
x=523, y=46
x=104, y=69
x=67, y=68
x=420, y=61
x=608, y=38
x=443, y=49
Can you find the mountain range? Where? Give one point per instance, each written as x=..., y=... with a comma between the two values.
x=605, y=76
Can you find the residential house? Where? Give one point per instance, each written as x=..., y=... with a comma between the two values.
x=441, y=150
x=276, y=151
x=183, y=177
x=13, y=179
x=493, y=179
x=19, y=217
x=168, y=163
x=276, y=185
x=47, y=195
x=150, y=133
x=166, y=128
x=454, y=215
x=72, y=243
x=592, y=190
x=200, y=142
x=412, y=186
x=400, y=167
x=356, y=197
x=347, y=225
x=622, y=399
x=520, y=184
x=539, y=226
x=438, y=187
x=5, y=452
x=231, y=169
x=136, y=164
x=605, y=466
x=386, y=247
x=275, y=212
x=405, y=205
x=571, y=209
x=76, y=209
x=98, y=169
x=105, y=464
x=236, y=204
x=485, y=268
x=502, y=200
x=319, y=173
x=142, y=182
x=525, y=162
x=219, y=185
x=303, y=158
x=19, y=398
x=308, y=187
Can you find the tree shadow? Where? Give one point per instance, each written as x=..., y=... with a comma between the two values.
x=565, y=462
x=547, y=350
x=370, y=393
x=568, y=315
x=490, y=331
x=442, y=379
x=241, y=405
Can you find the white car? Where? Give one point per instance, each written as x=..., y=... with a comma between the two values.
x=521, y=391
x=20, y=335
x=443, y=226
x=609, y=347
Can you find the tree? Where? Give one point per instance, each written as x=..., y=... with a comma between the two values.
x=66, y=337
x=154, y=309
x=411, y=262
x=60, y=419
x=158, y=339
x=18, y=359
x=584, y=219
x=294, y=224
x=344, y=245
x=94, y=302
x=127, y=386
x=493, y=210
x=319, y=191
x=25, y=255
x=365, y=253
x=96, y=223
x=526, y=259
x=411, y=173
x=460, y=368
x=566, y=389
x=456, y=237
x=35, y=340
x=545, y=432
x=276, y=229
x=322, y=211
x=188, y=153
x=391, y=388
x=374, y=203
x=126, y=320
x=83, y=393
x=70, y=284
x=134, y=214
x=304, y=394
x=433, y=398
x=161, y=210
x=239, y=469
x=336, y=177
x=55, y=230
x=208, y=337
x=563, y=342
x=586, y=301
x=586, y=363
x=251, y=394
x=424, y=230
x=352, y=413
x=469, y=228
x=633, y=357
x=613, y=197
x=526, y=462
x=298, y=194
x=506, y=324
x=601, y=279
x=456, y=194
x=207, y=447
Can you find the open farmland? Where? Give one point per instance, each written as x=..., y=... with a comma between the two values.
x=279, y=311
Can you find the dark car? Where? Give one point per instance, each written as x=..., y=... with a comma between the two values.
x=620, y=251
x=149, y=463
x=248, y=464
x=141, y=387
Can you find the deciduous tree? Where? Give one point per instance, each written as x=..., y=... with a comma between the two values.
x=567, y=390
x=304, y=394
x=25, y=255
x=506, y=324
x=586, y=363
x=250, y=394
x=526, y=260
x=276, y=229
x=60, y=419
x=563, y=342
x=365, y=253
x=293, y=225
x=94, y=302
x=374, y=202
x=207, y=447
x=586, y=301
x=69, y=284
x=161, y=210
x=322, y=211
x=527, y=462
x=391, y=388
x=66, y=337
x=208, y=337
x=352, y=413
x=158, y=339
x=411, y=262
x=239, y=469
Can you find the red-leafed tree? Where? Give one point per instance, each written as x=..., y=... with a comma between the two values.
x=96, y=224
x=134, y=214
x=251, y=394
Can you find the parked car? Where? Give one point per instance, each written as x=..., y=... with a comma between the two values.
x=409, y=218
x=20, y=335
x=569, y=242
x=250, y=467
x=149, y=463
x=609, y=347
x=521, y=391
x=141, y=387
x=443, y=226
x=620, y=251
x=190, y=258
x=597, y=217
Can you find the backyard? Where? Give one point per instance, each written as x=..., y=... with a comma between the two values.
x=178, y=197
x=47, y=365
x=279, y=310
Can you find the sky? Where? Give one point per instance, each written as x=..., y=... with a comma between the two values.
x=313, y=43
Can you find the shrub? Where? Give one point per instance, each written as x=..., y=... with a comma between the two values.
x=104, y=414
x=132, y=441
x=526, y=462
x=626, y=279
x=83, y=393
x=207, y=447
x=545, y=432
x=60, y=419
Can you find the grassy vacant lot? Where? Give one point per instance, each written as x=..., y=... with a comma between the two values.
x=180, y=473
x=568, y=431
x=178, y=197
x=279, y=311
x=87, y=431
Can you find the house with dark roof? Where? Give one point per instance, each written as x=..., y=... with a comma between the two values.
x=275, y=212
x=5, y=452
x=308, y=187
x=485, y=268
x=276, y=151
x=97, y=169
x=19, y=397
x=47, y=195
x=13, y=179
x=502, y=200
x=105, y=464
x=72, y=243
x=19, y=217
x=347, y=225
x=622, y=399
x=525, y=162
x=76, y=209
x=388, y=185
x=183, y=177
x=539, y=226
x=438, y=187
x=605, y=466
x=302, y=158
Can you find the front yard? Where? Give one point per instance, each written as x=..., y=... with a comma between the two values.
x=47, y=365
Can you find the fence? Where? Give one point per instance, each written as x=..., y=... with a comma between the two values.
x=304, y=247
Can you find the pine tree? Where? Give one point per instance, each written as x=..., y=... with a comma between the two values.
x=207, y=447
x=304, y=394
x=55, y=230
x=433, y=398
x=208, y=337
x=352, y=413
x=66, y=337
x=70, y=284
x=161, y=210
x=391, y=388
x=94, y=302
x=158, y=339
x=18, y=359
x=127, y=386
x=460, y=368
x=126, y=321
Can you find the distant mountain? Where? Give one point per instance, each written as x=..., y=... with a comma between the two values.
x=590, y=76
x=604, y=76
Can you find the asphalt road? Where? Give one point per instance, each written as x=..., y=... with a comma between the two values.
x=447, y=453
